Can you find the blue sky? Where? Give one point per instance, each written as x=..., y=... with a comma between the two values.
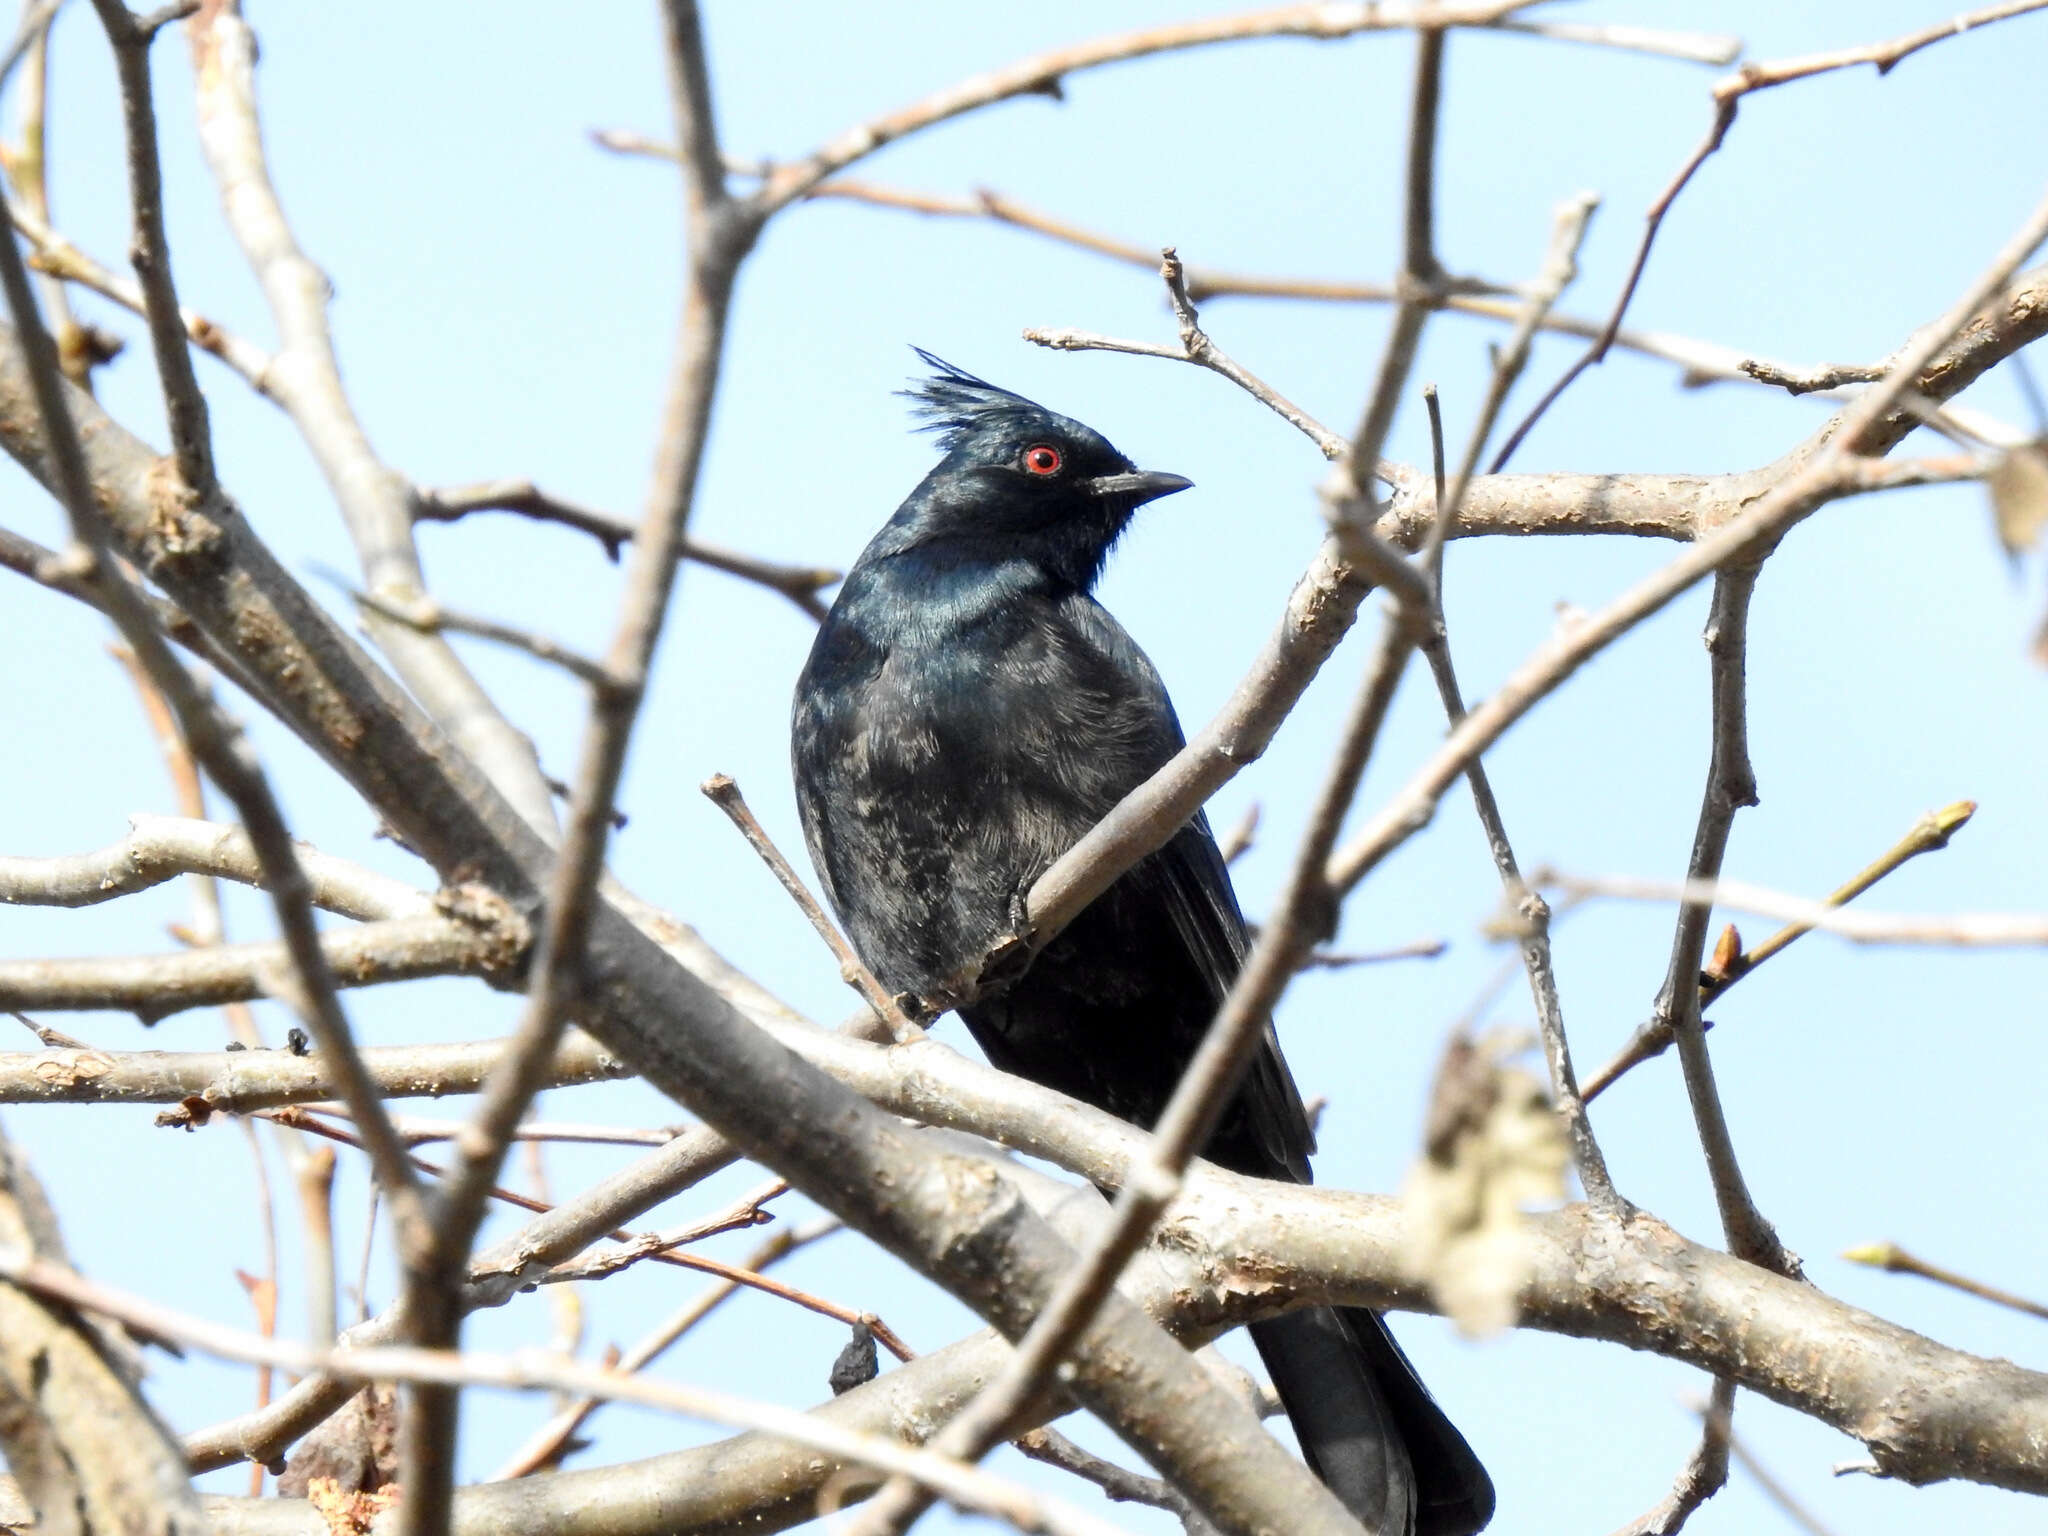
x=504, y=300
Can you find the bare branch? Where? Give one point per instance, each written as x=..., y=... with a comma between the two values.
x=1807, y=381
x=1704, y=1474
x=419, y=1130
x=431, y=617
x=1694, y=47
x=161, y=848
x=725, y=794
x=240, y=1082
x=801, y=584
x=1237, y=1248
x=1727, y=96
x=149, y=249
x=1996, y=930
x=1758, y=75
x=478, y=943
x=1893, y=1258
x=1197, y=348
x=1533, y=932
x=1731, y=786
x=305, y=379
x=1121, y=1485
x=546, y=1444
x=1042, y=74
x=60, y=259
x=1930, y=832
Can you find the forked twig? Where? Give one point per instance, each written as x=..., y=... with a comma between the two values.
x=723, y=792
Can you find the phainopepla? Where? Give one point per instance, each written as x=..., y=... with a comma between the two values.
x=967, y=713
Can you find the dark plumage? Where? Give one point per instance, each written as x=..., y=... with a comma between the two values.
x=967, y=713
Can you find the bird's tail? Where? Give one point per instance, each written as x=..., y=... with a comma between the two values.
x=1369, y=1428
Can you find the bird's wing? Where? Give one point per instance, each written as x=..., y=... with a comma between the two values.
x=1204, y=912
x=1193, y=887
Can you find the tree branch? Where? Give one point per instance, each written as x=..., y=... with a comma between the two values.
x=484, y=939
x=161, y=848
x=1930, y=832
x=149, y=248
x=1727, y=96
x=801, y=584
x=239, y=1082
x=305, y=379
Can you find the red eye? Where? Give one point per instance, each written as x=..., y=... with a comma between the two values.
x=1042, y=459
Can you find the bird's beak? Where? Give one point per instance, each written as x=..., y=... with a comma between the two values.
x=1139, y=486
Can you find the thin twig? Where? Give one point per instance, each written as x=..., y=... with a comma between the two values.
x=1693, y=47
x=547, y=1444
x=1757, y=75
x=657, y=1247
x=203, y=1083
x=152, y=987
x=1727, y=96
x=35, y=22
x=723, y=792
x=1930, y=832
x=149, y=249
x=1704, y=1474
x=80, y=348
x=1041, y=74
x=1533, y=932
x=801, y=584
x=1200, y=349
x=1352, y=508
x=160, y=848
x=1731, y=786
x=1119, y=1484
x=1774, y=1490
x=1893, y=1258
x=429, y=616
x=305, y=378
x=418, y=1132
x=1322, y=959
x=1971, y=930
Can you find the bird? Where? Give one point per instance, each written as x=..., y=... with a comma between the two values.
x=967, y=712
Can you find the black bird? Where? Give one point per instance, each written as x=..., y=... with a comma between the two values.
x=967, y=713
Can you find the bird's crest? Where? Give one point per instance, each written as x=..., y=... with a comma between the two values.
x=954, y=403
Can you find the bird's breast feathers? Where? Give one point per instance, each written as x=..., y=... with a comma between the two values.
x=959, y=751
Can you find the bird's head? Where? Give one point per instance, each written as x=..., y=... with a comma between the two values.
x=1020, y=480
